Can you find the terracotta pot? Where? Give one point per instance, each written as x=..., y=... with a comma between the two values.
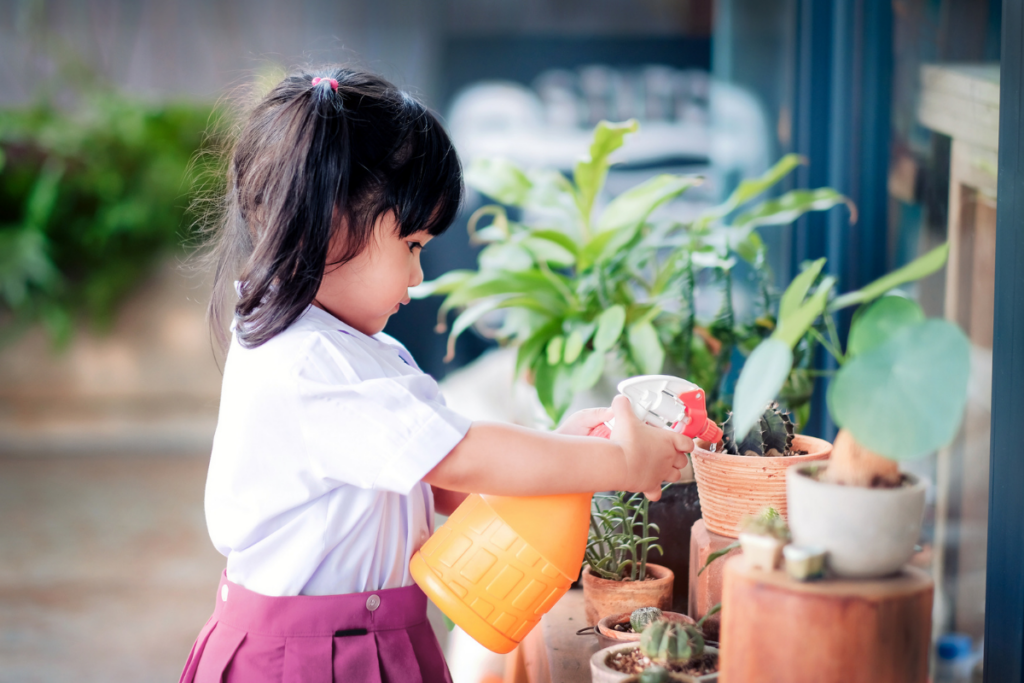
x=606, y=635
x=733, y=486
x=868, y=533
x=600, y=672
x=603, y=598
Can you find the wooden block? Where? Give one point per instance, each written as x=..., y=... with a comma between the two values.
x=706, y=590
x=777, y=630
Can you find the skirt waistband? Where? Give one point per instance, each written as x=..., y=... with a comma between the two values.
x=319, y=615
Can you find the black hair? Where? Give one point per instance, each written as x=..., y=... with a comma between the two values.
x=309, y=160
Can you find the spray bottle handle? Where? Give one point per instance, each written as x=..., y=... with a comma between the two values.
x=699, y=426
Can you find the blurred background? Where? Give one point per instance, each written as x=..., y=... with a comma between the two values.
x=111, y=116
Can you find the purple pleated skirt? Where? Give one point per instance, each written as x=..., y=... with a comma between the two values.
x=377, y=637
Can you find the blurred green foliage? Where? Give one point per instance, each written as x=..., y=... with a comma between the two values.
x=91, y=194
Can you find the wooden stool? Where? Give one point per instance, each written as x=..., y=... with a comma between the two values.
x=706, y=590
x=778, y=630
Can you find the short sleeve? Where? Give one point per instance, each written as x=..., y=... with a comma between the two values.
x=375, y=433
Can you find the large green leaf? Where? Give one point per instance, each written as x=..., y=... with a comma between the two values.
x=467, y=318
x=794, y=295
x=646, y=348
x=559, y=238
x=905, y=398
x=609, y=327
x=626, y=213
x=531, y=349
x=591, y=171
x=759, y=383
x=874, y=325
x=790, y=206
x=748, y=189
x=554, y=388
x=592, y=250
x=795, y=325
x=915, y=270
x=499, y=179
x=445, y=284
x=587, y=373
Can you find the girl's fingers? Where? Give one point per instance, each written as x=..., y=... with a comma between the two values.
x=680, y=462
x=654, y=495
x=683, y=444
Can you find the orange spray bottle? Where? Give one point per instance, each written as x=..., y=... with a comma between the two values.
x=501, y=562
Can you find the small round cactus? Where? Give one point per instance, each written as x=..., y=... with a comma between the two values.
x=772, y=436
x=640, y=618
x=666, y=642
x=654, y=674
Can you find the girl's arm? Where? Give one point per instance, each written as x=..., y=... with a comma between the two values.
x=509, y=460
x=578, y=424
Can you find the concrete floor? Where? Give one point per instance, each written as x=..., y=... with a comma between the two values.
x=106, y=570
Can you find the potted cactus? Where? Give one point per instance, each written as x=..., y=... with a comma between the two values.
x=679, y=649
x=740, y=476
x=899, y=394
x=617, y=576
x=762, y=539
x=627, y=626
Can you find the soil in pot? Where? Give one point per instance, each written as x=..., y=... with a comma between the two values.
x=603, y=597
x=634, y=661
x=675, y=515
x=617, y=629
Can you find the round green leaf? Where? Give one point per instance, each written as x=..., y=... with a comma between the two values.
x=881, y=320
x=759, y=383
x=646, y=348
x=573, y=346
x=609, y=328
x=555, y=350
x=905, y=398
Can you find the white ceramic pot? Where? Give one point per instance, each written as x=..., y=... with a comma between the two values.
x=602, y=673
x=761, y=552
x=868, y=533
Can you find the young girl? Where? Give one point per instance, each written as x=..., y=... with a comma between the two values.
x=332, y=448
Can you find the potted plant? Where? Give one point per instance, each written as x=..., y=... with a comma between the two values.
x=680, y=649
x=627, y=626
x=899, y=394
x=617, y=576
x=762, y=539
x=590, y=290
x=739, y=477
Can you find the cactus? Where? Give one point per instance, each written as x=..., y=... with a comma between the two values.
x=772, y=436
x=654, y=674
x=641, y=618
x=665, y=642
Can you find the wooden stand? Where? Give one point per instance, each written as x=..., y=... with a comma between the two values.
x=706, y=590
x=775, y=629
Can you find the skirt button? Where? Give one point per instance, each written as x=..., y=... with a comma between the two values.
x=372, y=603
x=224, y=593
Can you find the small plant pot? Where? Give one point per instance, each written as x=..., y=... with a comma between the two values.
x=600, y=672
x=734, y=486
x=804, y=563
x=603, y=597
x=761, y=552
x=608, y=636
x=867, y=532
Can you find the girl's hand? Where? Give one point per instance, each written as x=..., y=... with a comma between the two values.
x=653, y=455
x=582, y=421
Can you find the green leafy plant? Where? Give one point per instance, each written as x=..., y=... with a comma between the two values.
x=587, y=287
x=902, y=383
x=621, y=536
x=767, y=523
x=643, y=616
x=90, y=195
x=772, y=436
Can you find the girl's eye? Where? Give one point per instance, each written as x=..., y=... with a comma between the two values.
x=413, y=245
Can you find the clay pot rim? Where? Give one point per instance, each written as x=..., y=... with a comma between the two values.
x=821, y=448
x=911, y=485
x=667, y=577
x=604, y=626
x=598, y=659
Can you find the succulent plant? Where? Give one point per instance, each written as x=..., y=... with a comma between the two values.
x=666, y=642
x=772, y=436
x=768, y=523
x=640, y=618
x=654, y=674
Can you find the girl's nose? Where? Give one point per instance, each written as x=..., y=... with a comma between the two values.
x=416, y=277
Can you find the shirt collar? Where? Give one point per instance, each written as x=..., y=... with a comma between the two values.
x=324, y=320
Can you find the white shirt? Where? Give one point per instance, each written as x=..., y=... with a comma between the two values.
x=323, y=437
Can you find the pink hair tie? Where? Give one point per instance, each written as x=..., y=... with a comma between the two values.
x=333, y=82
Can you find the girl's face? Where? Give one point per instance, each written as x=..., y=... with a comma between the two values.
x=368, y=290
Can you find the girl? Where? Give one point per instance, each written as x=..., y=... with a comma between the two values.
x=332, y=448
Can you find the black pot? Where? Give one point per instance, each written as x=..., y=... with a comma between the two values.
x=675, y=515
